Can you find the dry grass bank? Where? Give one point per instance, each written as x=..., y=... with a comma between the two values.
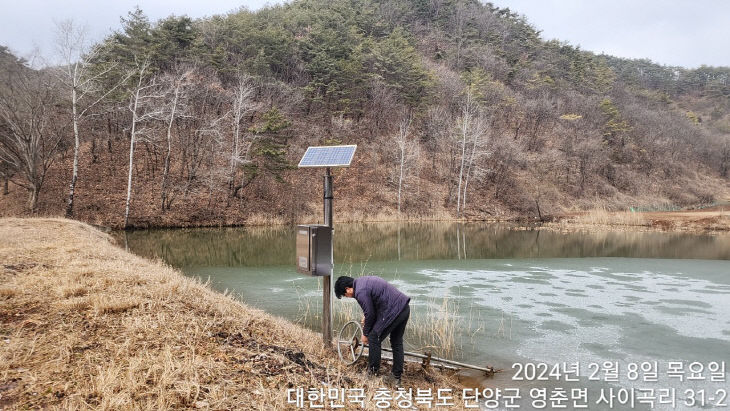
x=86, y=325
x=710, y=220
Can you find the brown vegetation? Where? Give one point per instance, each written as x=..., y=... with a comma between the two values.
x=85, y=325
x=457, y=108
x=714, y=219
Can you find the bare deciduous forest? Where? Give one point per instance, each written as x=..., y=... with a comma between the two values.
x=459, y=109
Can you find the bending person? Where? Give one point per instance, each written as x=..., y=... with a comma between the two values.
x=386, y=313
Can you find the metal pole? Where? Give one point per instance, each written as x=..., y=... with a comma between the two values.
x=327, y=279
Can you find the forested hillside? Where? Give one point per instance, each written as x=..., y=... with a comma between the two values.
x=459, y=109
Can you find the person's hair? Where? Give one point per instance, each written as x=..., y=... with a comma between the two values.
x=342, y=283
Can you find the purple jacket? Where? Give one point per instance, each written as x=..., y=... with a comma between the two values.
x=380, y=302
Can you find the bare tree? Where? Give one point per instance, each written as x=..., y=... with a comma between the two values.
x=586, y=153
x=32, y=138
x=407, y=154
x=177, y=87
x=83, y=85
x=465, y=125
x=724, y=158
x=538, y=115
x=6, y=172
x=142, y=105
x=459, y=24
x=539, y=185
x=213, y=133
x=203, y=138
x=242, y=105
x=478, y=149
x=472, y=138
x=381, y=106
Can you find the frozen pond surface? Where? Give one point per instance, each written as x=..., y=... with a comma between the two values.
x=509, y=296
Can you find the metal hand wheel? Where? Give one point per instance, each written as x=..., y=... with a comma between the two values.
x=349, y=347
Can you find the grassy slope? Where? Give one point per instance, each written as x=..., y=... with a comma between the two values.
x=84, y=324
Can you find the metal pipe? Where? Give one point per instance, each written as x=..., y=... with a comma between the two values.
x=443, y=360
x=445, y=367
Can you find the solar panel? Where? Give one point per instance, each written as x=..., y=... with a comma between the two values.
x=328, y=156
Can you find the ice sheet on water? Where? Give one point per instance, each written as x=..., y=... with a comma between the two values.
x=691, y=306
x=625, y=312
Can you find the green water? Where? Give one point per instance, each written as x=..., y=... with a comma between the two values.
x=503, y=295
x=250, y=247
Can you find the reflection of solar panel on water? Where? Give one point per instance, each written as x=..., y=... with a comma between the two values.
x=328, y=156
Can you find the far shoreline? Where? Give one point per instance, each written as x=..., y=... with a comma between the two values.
x=715, y=220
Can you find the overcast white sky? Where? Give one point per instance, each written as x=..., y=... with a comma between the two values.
x=688, y=33
x=685, y=33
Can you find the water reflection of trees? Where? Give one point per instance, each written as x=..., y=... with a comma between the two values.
x=424, y=241
x=215, y=246
x=415, y=241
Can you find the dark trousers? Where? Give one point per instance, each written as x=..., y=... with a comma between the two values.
x=396, y=329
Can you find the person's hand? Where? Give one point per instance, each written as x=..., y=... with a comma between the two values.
x=364, y=339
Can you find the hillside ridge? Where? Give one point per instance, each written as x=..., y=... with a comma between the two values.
x=459, y=110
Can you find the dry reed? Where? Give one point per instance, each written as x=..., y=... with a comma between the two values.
x=432, y=330
x=601, y=216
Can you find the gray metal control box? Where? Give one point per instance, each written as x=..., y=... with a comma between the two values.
x=314, y=250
